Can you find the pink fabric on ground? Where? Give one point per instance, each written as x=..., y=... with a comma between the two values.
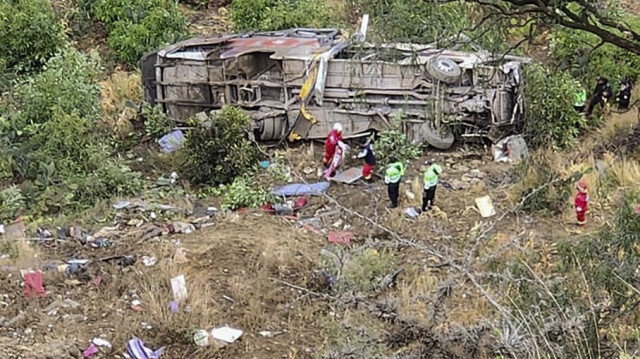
x=33, y=285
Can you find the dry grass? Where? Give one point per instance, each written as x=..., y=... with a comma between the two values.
x=120, y=94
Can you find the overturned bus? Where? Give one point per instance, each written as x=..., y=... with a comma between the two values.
x=295, y=84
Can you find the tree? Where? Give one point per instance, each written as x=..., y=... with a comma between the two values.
x=608, y=22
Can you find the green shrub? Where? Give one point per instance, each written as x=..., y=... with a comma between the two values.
x=265, y=15
x=11, y=202
x=220, y=149
x=394, y=142
x=113, y=11
x=30, y=33
x=138, y=26
x=131, y=40
x=551, y=118
x=68, y=82
x=242, y=193
x=156, y=122
x=572, y=50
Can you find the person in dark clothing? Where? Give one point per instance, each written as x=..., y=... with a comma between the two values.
x=624, y=95
x=601, y=95
x=369, y=158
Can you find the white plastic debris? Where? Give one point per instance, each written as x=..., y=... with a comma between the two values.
x=485, y=205
x=101, y=342
x=226, y=334
x=149, y=261
x=179, y=288
x=510, y=149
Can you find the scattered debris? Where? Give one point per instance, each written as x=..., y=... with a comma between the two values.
x=410, y=195
x=302, y=189
x=485, y=205
x=149, y=261
x=33, y=284
x=181, y=227
x=171, y=142
x=137, y=349
x=412, y=212
x=57, y=304
x=136, y=305
x=510, y=149
x=90, y=351
x=307, y=170
x=348, y=176
x=101, y=342
x=269, y=334
x=340, y=237
x=226, y=334
x=265, y=164
x=174, y=306
x=179, y=288
x=179, y=255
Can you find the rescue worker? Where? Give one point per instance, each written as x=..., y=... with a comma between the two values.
x=601, y=95
x=337, y=160
x=392, y=177
x=624, y=95
x=581, y=98
x=369, y=158
x=335, y=136
x=430, y=178
x=581, y=203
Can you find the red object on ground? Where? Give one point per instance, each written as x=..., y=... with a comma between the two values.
x=367, y=170
x=638, y=209
x=339, y=237
x=33, y=285
x=580, y=203
x=97, y=280
x=330, y=146
x=267, y=207
x=299, y=203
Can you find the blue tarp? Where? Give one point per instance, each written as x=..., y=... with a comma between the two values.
x=302, y=189
x=171, y=142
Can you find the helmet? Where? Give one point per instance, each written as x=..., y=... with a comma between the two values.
x=582, y=186
x=337, y=126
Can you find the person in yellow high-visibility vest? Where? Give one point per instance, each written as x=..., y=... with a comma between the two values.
x=430, y=179
x=581, y=98
x=392, y=177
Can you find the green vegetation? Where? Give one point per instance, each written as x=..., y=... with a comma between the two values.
x=220, y=149
x=393, y=142
x=138, y=26
x=30, y=34
x=265, y=15
x=552, y=119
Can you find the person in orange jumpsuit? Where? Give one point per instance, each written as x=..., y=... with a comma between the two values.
x=335, y=136
x=581, y=203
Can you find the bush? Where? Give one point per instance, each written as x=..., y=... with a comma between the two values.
x=29, y=33
x=219, y=150
x=394, y=142
x=551, y=118
x=11, y=202
x=161, y=27
x=138, y=26
x=535, y=172
x=68, y=82
x=53, y=144
x=242, y=193
x=156, y=122
x=266, y=15
x=572, y=50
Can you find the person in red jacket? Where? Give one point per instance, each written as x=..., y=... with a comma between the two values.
x=330, y=144
x=581, y=203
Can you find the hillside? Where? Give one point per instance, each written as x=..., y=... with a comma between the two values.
x=83, y=172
